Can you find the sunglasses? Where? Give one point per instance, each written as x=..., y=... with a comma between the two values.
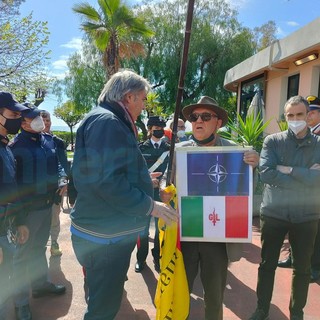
x=206, y=116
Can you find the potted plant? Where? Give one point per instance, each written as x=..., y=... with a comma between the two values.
x=248, y=132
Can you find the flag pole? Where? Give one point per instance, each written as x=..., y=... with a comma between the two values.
x=183, y=68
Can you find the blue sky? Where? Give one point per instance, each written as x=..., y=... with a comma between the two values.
x=65, y=37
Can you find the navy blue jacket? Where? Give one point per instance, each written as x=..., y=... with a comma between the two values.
x=10, y=206
x=37, y=169
x=111, y=177
x=151, y=155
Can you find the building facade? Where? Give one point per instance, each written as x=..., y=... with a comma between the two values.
x=287, y=67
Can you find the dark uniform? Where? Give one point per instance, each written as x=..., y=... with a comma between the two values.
x=151, y=155
x=37, y=177
x=9, y=209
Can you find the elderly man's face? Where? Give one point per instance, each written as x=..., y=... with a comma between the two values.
x=47, y=124
x=135, y=102
x=313, y=118
x=203, y=129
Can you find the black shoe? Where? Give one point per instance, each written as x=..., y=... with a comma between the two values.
x=315, y=275
x=23, y=312
x=259, y=314
x=287, y=263
x=48, y=289
x=139, y=266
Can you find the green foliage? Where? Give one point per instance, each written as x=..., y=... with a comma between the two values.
x=112, y=28
x=264, y=35
x=283, y=125
x=248, y=132
x=65, y=136
x=217, y=43
x=153, y=105
x=70, y=115
x=23, y=55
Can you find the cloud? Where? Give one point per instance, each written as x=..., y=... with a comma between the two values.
x=61, y=63
x=280, y=33
x=75, y=43
x=238, y=4
x=292, y=23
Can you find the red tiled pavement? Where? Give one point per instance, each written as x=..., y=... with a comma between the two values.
x=137, y=304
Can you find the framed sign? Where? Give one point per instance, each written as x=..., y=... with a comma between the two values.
x=214, y=189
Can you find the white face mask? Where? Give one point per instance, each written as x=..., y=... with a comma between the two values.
x=181, y=133
x=297, y=125
x=37, y=124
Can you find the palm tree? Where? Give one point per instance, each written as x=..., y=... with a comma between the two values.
x=113, y=29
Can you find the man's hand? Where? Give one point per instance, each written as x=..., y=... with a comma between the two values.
x=1, y=255
x=284, y=169
x=62, y=190
x=251, y=157
x=316, y=166
x=165, y=212
x=155, y=181
x=165, y=196
x=23, y=234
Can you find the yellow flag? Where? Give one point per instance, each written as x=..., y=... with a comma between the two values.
x=172, y=297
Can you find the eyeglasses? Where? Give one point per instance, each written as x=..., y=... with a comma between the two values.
x=193, y=117
x=181, y=127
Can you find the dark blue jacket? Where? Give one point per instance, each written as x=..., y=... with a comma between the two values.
x=64, y=167
x=111, y=177
x=37, y=169
x=10, y=206
x=151, y=155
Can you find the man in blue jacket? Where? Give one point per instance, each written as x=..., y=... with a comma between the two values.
x=37, y=178
x=12, y=215
x=115, y=192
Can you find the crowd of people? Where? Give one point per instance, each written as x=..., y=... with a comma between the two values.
x=117, y=181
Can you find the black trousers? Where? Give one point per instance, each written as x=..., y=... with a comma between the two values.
x=212, y=259
x=315, y=260
x=301, y=237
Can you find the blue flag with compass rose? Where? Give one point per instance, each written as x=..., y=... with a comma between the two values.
x=217, y=174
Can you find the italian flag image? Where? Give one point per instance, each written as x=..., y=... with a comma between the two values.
x=214, y=217
x=214, y=188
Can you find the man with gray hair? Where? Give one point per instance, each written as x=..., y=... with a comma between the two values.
x=115, y=192
x=290, y=170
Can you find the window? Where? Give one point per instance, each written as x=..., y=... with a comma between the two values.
x=248, y=90
x=293, y=85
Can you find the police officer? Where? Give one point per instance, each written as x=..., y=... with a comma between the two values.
x=37, y=177
x=10, y=208
x=63, y=181
x=155, y=151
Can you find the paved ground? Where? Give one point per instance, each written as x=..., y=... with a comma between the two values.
x=240, y=299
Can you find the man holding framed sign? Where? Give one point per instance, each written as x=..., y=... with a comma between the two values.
x=206, y=118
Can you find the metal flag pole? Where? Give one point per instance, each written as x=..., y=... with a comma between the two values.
x=183, y=69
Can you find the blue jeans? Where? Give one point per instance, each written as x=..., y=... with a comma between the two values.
x=5, y=275
x=106, y=268
x=301, y=238
x=30, y=258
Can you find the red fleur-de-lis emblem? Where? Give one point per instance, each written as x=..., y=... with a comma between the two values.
x=213, y=217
